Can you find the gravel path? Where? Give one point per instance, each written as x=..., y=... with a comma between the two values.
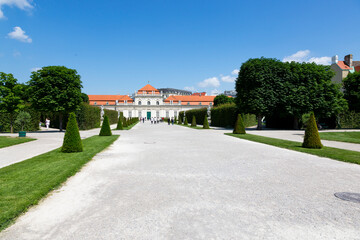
x=172, y=182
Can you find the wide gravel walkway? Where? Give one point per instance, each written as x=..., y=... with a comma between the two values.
x=172, y=182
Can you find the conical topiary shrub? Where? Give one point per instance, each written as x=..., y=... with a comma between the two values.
x=72, y=141
x=105, y=128
x=206, y=123
x=239, y=126
x=193, y=122
x=120, y=124
x=124, y=122
x=186, y=121
x=312, y=138
x=180, y=121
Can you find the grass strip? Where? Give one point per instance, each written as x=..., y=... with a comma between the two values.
x=9, y=141
x=24, y=184
x=197, y=127
x=350, y=137
x=328, y=152
x=126, y=128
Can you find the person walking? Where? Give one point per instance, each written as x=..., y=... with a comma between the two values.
x=172, y=121
x=47, y=123
x=168, y=121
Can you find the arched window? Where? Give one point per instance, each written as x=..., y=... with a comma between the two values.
x=148, y=103
x=139, y=103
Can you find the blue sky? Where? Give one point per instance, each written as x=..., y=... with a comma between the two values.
x=118, y=46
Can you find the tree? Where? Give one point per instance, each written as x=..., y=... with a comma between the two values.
x=312, y=138
x=180, y=120
x=206, y=123
x=120, y=123
x=55, y=89
x=23, y=119
x=72, y=141
x=222, y=99
x=259, y=85
x=85, y=97
x=193, y=122
x=105, y=128
x=239, y=125
x=10, y=96
x=352, y=91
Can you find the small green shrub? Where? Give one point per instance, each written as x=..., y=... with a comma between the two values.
x=193, y=122
x=105, y=128
x=312, y=138
x=23, y=119
x=72, y=141
x=120, y=124
x=239, y=126
x=206, y=123
x=180, y=120
x=186, y=121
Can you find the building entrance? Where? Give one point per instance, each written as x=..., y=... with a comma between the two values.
x=148, y=116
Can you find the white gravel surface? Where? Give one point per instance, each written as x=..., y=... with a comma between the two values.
x=172, y=182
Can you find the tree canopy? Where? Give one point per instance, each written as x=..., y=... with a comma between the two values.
x=222, y=99
x=352, y=91
x=55, y=89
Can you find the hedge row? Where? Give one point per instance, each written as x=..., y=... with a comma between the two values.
x=225, y=116
x=32, y=126
x=112, y=115
x=349, y=120
x=198, y=113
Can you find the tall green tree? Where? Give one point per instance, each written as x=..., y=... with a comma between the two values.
x=10, y=97
x=352, y=91
x=55, y=89
x=259, y=85
x=222, y=99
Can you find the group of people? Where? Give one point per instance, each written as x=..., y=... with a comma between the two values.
x=155, y=120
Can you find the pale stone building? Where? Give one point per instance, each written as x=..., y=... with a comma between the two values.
x=343, y=68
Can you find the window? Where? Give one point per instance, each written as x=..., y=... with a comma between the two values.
x=95, y=103
x=188, y=103
x=211, y=104
x=139, y=103
x=157, y=103
x=199, y=103
x=107, y=103
x=171, y=101
x=125, y=101
x=148, y=103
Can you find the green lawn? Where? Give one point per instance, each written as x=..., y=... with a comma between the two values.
x=128, y=127
x=189, y=126
x=9, y=141
x=351, y=137
x=23, y=184
x=329, y=152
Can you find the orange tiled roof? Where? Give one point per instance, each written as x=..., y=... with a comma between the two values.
x=343, y=66
x=192, y=100
x=109, y=97
x=148, y=88
x=357, y=68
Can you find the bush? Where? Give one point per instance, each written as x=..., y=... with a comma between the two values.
x=239, y=126
x=180, y=120
x=105, y=128
x=225, y=116
x=349, y=120
x=312, y=138
x=23, y=119
x=88, y=116
x=193, y=122
x=72, y=141
x=33, y=125
x=198, y=113
x=186, y=122
x=206, y=123
x=112, y=115
x=120, y=123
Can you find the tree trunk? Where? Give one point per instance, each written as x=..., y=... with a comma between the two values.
x=60, y=121
x=296, y=123
x=259, y=127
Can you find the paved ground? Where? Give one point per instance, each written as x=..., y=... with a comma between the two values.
x=298, y=136
x=46, y=141
x=172, y=182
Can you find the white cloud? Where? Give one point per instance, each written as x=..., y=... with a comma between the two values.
x=22, y=4
x=214, y=92
x=35, y=69
x=210, y=82
x=304, y=56
x=192, y=89
x=235, y=72
x=19, y=34
x=228, y=78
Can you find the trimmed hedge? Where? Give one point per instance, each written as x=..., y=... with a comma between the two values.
x=112, y=115
x=225, y=116
x=72, y=141
x=198, y=113
x=239, y=126
x=193, y=121
x=32, y=126
x=349, y=120
x=312, y=138
x=105, y=128
x=206, y=123
x=88, y=117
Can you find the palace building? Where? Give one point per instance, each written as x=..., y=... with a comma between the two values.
x=151, y=102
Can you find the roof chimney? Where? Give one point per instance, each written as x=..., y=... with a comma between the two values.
x=348, y=59
x=335, y=59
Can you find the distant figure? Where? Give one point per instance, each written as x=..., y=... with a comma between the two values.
x=168, y=121
x=143, y=120
x=151, y=119
x=40, y=124
x=47, y=123
x=172, y=121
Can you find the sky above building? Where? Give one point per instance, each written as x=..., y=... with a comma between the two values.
x=119, y=46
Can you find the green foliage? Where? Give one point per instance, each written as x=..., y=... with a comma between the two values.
x=222, y=99
x=85, y=98
x=23, y=119
x=88, y=116
x=352, y=91
x=33, y=125
x=198, y=113
x=120, y=123
x=312, y=138
x=55, y=89
x=193, y=122
x=9, y=141
x=105, y=128
x=239, y=126
x=225, y=116
x=180, y=119
x=10, y=97
x=206, y=123
x=186, y=122
x=112, y=115
x=349, y=120
x=72, y=141
x=125, y=124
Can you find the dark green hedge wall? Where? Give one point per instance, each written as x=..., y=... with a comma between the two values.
x=198, y=113
x=225, y=116
x=112, y=115
x=32, y=126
